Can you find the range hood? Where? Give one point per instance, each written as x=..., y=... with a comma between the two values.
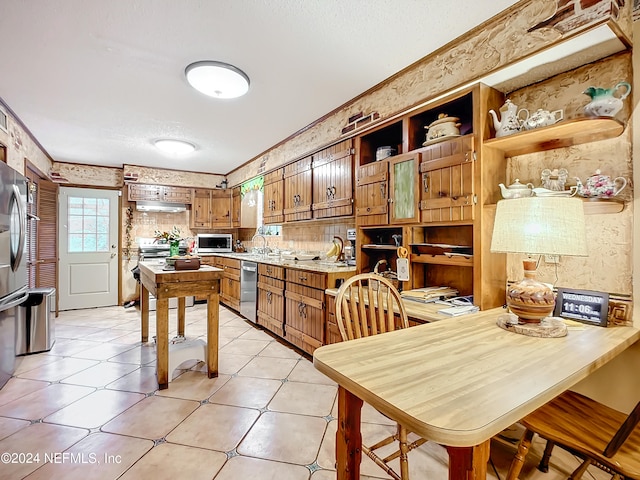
x=165, y=207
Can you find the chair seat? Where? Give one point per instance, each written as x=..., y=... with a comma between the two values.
x=585, y=427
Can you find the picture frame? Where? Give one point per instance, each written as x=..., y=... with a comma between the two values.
x=585, y=306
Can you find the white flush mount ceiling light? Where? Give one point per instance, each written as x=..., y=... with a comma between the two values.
x=217, y=79
x=174, y=147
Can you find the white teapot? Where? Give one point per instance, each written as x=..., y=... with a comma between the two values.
x=510, y=121
x=542, y=118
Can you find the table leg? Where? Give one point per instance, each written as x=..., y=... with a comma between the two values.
x=162, y=342
x=469, y=463
x=213, y=321
x=144, y=309
x=348, y=436
x=181, y=315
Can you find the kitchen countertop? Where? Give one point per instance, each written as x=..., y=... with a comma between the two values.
x=321, y=266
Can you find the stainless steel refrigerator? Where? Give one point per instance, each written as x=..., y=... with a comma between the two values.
x=13, y=266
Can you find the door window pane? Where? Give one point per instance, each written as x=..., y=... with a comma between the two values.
x=88, y=224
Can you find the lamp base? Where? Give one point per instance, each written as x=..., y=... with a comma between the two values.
x=530, y=299
x=550, y=327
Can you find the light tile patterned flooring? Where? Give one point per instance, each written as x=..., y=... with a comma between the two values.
x=91, y=408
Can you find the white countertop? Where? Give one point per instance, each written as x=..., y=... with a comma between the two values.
x=311, y=265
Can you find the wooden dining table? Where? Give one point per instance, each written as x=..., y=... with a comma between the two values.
x=166, y=284
x=458, y=382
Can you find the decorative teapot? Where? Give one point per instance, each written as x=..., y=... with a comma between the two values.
x=603, y=103
x=542, y=118
x=516, y=190
x=510, y=121
x=601, y=186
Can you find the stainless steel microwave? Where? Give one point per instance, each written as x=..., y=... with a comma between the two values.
x=214, y=242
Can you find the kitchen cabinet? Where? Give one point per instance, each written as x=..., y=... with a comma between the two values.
x=220, y=208
x=230, y=281
x=304, y=304
x=201, y=208
x=333, y=181
x=158, y=193
x=236, y=205
x=271, y=312
x=272, y=212
x=298, y=190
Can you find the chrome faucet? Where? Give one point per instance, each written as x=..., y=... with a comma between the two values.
x=264, y=249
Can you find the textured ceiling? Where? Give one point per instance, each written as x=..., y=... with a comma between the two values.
x=97, y=81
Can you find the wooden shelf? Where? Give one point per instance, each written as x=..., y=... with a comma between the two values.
x=563, y=134
x=596, y=205
x=372, y=246
x=442, y=260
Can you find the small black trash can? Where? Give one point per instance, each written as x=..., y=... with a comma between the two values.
x=35, y=330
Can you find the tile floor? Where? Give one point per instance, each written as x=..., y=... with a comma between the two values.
x=91, y=408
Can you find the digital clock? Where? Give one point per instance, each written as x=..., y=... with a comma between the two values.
x=584, y=306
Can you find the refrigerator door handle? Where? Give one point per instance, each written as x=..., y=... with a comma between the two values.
x=23, y=227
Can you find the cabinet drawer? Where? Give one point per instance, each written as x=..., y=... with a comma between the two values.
x=271, y=271
x=230, y=262
x=303, y=277
x=271, y=284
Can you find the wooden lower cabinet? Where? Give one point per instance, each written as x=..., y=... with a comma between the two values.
x=271, y=298
x=229, y=283
x=332, y=332
x=305, y=316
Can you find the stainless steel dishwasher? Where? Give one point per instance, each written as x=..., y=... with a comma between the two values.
x=248, y=289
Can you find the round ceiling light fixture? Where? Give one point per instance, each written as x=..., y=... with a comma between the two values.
x=217, y=79
x=174, y=147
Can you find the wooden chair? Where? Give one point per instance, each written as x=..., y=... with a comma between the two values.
x=600, y=435
x=358, y=316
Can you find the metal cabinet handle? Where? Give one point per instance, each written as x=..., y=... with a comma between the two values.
x=383, y=189
x=425, y=182
x=269, y=298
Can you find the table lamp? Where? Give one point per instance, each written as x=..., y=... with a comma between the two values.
x=537, y=226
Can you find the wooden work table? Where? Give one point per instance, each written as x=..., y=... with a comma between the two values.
x=458, y=382
x=167, y=284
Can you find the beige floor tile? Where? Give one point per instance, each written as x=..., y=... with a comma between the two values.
x=268, y=367
x=153, y=418
x=65, y=347
x=9, y=426
x=254, y=333
x=304, y=371
x=171, y=462
x=62, y=368
x=230, y=363
x=331, y=475
x=285, y=438
x=37, y=439
x=215, y=427
x=75, y=331
x=103, y=351
x=101, y=374
x=244, y=347
x=194, y=385
x=29, y=362
x=304, y=399
x=246, y=392
x=138, y=355
x=130, y=338
x=106, y=335
x=276, y=349
x=238, y=468
x=99, y=456
x=45, y=401
x=234, y=332
x=142, y=380
x=19, y=387
x=95, y=409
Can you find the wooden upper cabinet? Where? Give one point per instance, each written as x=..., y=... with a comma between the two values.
x=201, y=208
x=158, y=193
x=447, y=173
x=333, y=181
x=236, y=205
x=272, y=212
x=372, y=194
x=221, y=208
x=298, y=190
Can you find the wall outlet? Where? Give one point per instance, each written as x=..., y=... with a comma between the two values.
x=552, y=258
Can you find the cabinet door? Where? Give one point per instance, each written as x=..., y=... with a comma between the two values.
x=403, y=192
x=148, y=193
x=447, y=191
x=297, y=187
x=271, y=304
x=305, y=316
x=201, y=208
x=273, y=198
x=221, y=208
x=236, y=201
x=372, y=189
x=176, y=195
x=333, y=182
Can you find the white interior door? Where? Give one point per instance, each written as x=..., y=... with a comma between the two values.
x=88, y=240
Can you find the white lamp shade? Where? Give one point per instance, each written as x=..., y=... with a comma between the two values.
x=174, y=147
x=540, y=226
